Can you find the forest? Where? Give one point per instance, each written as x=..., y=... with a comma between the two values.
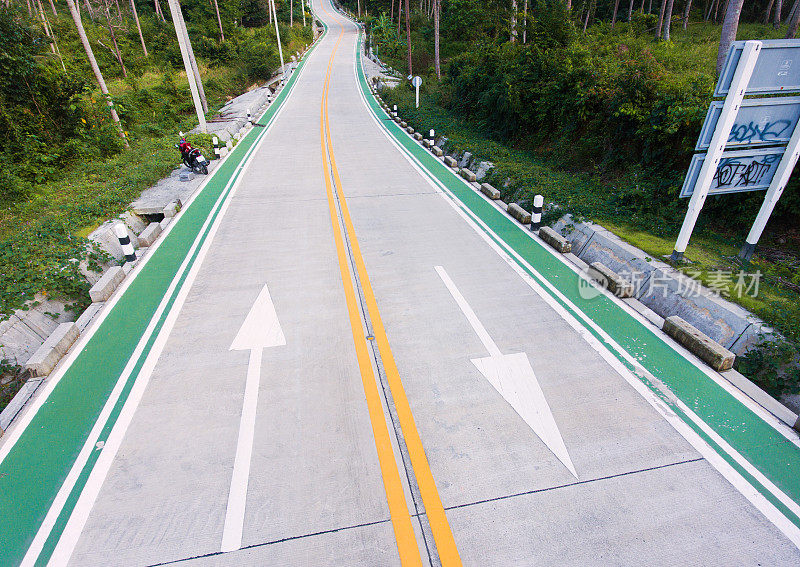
x=597, y=105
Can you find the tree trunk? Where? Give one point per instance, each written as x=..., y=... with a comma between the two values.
x=525, y=22
x=778, y=8
x=614, y=15
x=768, y=12
x=138, y=26
x=53, y=6
x=408, y=36
x=114, y=38
x=660, y=25
x=513, y=21
x=792, y=10
x=95, y=69
x=291, y=12
x=586, y=21
x=794, y=21
x=729, y=27
x=710, y=10
x=668, y=19
x=88, y=9
x=630, y=11
x=437, y=7
x=219, y=21
x=399, y=13
x=686, y=11
x=391, y=13
x=650, y=7
x=358, y=2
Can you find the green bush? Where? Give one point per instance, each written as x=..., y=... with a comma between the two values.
x=775, y=366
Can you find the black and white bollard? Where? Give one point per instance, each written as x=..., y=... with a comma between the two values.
x=432, y=136
x=249, y=117
x=217, y=154
x=536, y=213
x=394, y=110
x=125, y=242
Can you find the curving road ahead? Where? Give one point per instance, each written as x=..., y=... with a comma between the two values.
x=341, y=354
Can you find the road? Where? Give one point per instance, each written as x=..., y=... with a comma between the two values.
x=341, y=354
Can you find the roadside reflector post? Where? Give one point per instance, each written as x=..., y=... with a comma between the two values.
x=249, y=117
x=394, y=110
x=432, y=136
x=727, y=118
x=215, y=140
x=125, y=242
x=536, y=214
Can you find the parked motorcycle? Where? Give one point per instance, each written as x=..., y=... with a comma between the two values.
x=192, y=157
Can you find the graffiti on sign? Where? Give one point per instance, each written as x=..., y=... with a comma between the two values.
x=758, y=122
x=744, y=170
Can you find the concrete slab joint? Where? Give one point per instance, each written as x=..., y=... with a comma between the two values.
x=103, y=289
x=610, y=280
x=709, y=351
x=518, y=212
x=555, y=240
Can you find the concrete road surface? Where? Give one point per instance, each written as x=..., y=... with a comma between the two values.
x=342, y=354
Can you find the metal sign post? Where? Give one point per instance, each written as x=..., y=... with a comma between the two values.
x=730, y=108
x=417, y=81
x=776, y=187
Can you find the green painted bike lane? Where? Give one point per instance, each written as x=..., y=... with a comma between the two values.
x=33, y=471
x=771, y=453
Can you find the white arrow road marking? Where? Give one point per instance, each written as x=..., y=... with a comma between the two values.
x=260, y=330
x=513, y=377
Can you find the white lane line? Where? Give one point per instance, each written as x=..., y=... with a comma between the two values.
x=513, y=377
x=759, y=501
x=78, y=517
x=261, y=329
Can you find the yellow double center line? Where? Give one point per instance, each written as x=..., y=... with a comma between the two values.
x=398, y=507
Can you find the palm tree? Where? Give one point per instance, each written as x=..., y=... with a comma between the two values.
x=729, y=26
x=138, y=26
x=437, y=8
x=408, y=37
x=76, y=17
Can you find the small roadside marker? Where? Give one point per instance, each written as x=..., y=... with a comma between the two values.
x=215, y=140
x=536, y=213
x=125, y=242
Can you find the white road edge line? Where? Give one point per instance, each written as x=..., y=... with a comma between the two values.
x=769, y=510
x=69, y=483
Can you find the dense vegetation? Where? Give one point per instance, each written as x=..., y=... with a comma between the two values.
x=62, y=165
x=603, y=122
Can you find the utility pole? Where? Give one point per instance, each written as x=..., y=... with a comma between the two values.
x=278, y=35
x=76, y=17
x=177, y=17
x=201, y=91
